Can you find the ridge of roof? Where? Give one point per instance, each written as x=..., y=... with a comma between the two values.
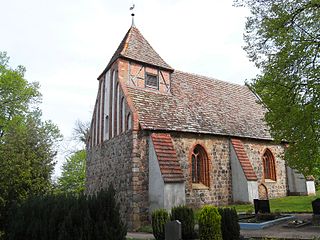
x=177, y=71
x=135, y=47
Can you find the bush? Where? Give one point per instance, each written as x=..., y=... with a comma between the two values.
x=229, y=224
x=59, y=217
x=209, y=224
x=159, y=219
x=185, y=215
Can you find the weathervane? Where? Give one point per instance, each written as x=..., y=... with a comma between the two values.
x=132, y=14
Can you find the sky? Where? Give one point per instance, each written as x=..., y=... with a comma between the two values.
x=66, y=44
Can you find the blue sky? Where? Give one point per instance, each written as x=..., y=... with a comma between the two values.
x=66, y=44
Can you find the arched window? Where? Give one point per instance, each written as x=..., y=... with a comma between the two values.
x=123, y=112
x=269, y=169
x=118, y=109
x=200, y=166
x=111, y=115
x=129, y=122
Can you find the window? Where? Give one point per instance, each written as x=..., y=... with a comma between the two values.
x=152, y=80
x=129, y=122
x=123, y=112
x=269, y=169
x=200, y=166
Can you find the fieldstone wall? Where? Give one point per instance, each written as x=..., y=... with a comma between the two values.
x=140, y=179
x=255, y=150
x=110, y=163
x=122, y=162
x=219, y=192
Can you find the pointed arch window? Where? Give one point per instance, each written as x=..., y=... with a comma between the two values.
x=129, y=122
x=123, y=112
x=200, y=166
x=269, y=168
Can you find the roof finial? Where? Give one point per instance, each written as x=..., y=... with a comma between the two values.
x=132, y=14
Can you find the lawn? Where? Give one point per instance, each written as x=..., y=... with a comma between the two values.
x=293, y=204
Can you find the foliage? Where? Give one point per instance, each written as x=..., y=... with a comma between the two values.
x=282, y=38
x=159, y=219
x=28, y=145
x=209, y=224
x=72, y=179
x=54, y=217
x=288, y=204
x=230, y=227
x=186, y=216
x=17, y=95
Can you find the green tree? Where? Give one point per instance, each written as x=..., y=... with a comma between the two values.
x=73, y=174
x=282, y=39
x=28, y=145
x=17, y=95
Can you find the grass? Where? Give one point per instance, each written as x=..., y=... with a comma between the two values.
x=291, y=204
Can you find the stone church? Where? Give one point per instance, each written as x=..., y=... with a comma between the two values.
x=163, y=137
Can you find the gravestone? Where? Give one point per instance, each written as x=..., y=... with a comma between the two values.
x=316, y=206
x=261, y=206
x=316, y=212
x=172, y=230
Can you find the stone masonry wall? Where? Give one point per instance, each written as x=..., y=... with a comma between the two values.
x=255, y=151
x=217, y=149
x=122, y=162
x=140, y=179
x=110, y=163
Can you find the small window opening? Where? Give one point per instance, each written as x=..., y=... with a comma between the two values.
x=152, y=80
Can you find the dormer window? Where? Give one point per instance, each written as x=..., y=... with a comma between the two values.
x=152, y=80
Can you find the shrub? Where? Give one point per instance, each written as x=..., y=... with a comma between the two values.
x=185, y=215
x=209, y=224
x=229, y=224
x=60, y=217
x=159, y=219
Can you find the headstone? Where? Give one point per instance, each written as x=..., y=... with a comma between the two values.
x=173, y=230
x=316, y=212
x=261, y=206
x=316, y=206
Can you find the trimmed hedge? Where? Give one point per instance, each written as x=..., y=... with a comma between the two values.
x=230, y=227
x=159, y=219
x=209, y=224
x=59, y=217
x=185, y=215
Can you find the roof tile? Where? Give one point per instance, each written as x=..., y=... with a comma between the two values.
x=202, y=105
x=244, y=160
x=167, y=157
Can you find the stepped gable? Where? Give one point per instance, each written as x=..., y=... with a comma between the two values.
x=200, y=104
x=244, y=160
x=167, y=157
x=135, y=47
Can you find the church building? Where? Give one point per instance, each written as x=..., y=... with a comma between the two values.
x=164, y=137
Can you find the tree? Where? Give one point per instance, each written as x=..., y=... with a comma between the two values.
x=73, y=174
x=282, y=38
x=72, y=179
x=28, y=145
x=17, y=95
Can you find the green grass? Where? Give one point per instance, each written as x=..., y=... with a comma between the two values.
x=291, y=204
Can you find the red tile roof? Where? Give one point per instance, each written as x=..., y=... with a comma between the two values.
x=134, y=46
x=169, y=166
x=244, y=160
x=202, y=105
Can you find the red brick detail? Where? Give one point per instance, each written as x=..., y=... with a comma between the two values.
x=244, y=160
x=167, y=157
